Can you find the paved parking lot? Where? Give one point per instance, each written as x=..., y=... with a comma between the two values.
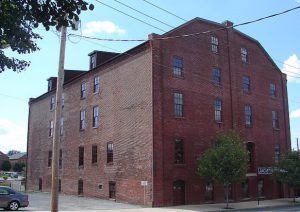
x=42, y=202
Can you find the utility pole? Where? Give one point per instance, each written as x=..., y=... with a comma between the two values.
x=57, y=117
x=297, y=145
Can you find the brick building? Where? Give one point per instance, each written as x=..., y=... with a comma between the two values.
x=134, y=125
x=20, y=157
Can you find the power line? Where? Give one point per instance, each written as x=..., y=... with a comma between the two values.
x=284, y=63
x=144, y=14
x=185, y=35
x=130, y=15
x=165, y=10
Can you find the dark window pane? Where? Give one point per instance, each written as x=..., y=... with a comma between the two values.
x=178, y=105
x=218, y=110
x=110, y=153
x=216, y=74
x=179, y=151
x=94, y=154
x=81, y=156
x=177, y=66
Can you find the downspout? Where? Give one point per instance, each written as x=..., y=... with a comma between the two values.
x=284, y=92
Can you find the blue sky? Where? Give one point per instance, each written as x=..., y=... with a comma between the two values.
x=278, y=35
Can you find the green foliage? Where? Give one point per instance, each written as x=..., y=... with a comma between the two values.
x=6, y=166
x=5, y=177
x=12, y=152
x=19, y=18
x=227, y=162
x=18, y=167
x=288, y=169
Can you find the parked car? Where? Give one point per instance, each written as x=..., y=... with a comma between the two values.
x=11, y=199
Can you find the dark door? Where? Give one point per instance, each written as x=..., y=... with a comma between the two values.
x=179, y=192
x=40, y=184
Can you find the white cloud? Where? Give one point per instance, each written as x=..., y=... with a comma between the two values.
x=292, y=68
x=12, y=136
x=107, y=27
x=295, y=114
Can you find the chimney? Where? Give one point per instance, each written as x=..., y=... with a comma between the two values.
x=228, y=23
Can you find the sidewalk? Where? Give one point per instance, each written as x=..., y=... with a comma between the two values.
x=236, y=206
x=219, y=206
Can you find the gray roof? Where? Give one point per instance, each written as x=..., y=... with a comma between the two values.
x=17, y=156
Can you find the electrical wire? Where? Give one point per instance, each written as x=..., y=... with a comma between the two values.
x=191, y=34
x=165, y=10
x=130, y=15
x=144, y=14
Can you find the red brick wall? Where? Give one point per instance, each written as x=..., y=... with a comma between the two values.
x=125, y=102
x=197, y=128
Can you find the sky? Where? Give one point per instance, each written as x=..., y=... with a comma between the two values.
x=278, y=35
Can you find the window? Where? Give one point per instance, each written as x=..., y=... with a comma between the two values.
x=52, y=102
x=4, y=191
x=61, y=127
x=49, y=158
x=81, y=156
x=50, y=85
x=277, y=153
x=60, y=159
x=80, y=187
x=110, y=153
x=273, y=90
x=214, y=44
x=95, y=116
x=51, y=125
x=245, y=189
x=246, y=83
x=179, y=151
x=244, y=54
x=59, y=185
x=216, y=75
x=275, y=122
x=82, y=120
x=63, y=99
x=112, y=190
x=93, y=61
x=94, y=154
x=251, y=154
x=178, y=104
x=177, y=66
x=96, y=84
x=218, y=110
x=83, y=90
x=248, y=115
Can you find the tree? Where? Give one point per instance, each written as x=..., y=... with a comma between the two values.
x=18, y=167
x=18, y=19
x=226, y=163
x=288, y=170
x=12, y=152
x=6, y=166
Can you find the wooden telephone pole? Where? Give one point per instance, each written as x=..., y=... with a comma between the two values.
x=57, y=117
